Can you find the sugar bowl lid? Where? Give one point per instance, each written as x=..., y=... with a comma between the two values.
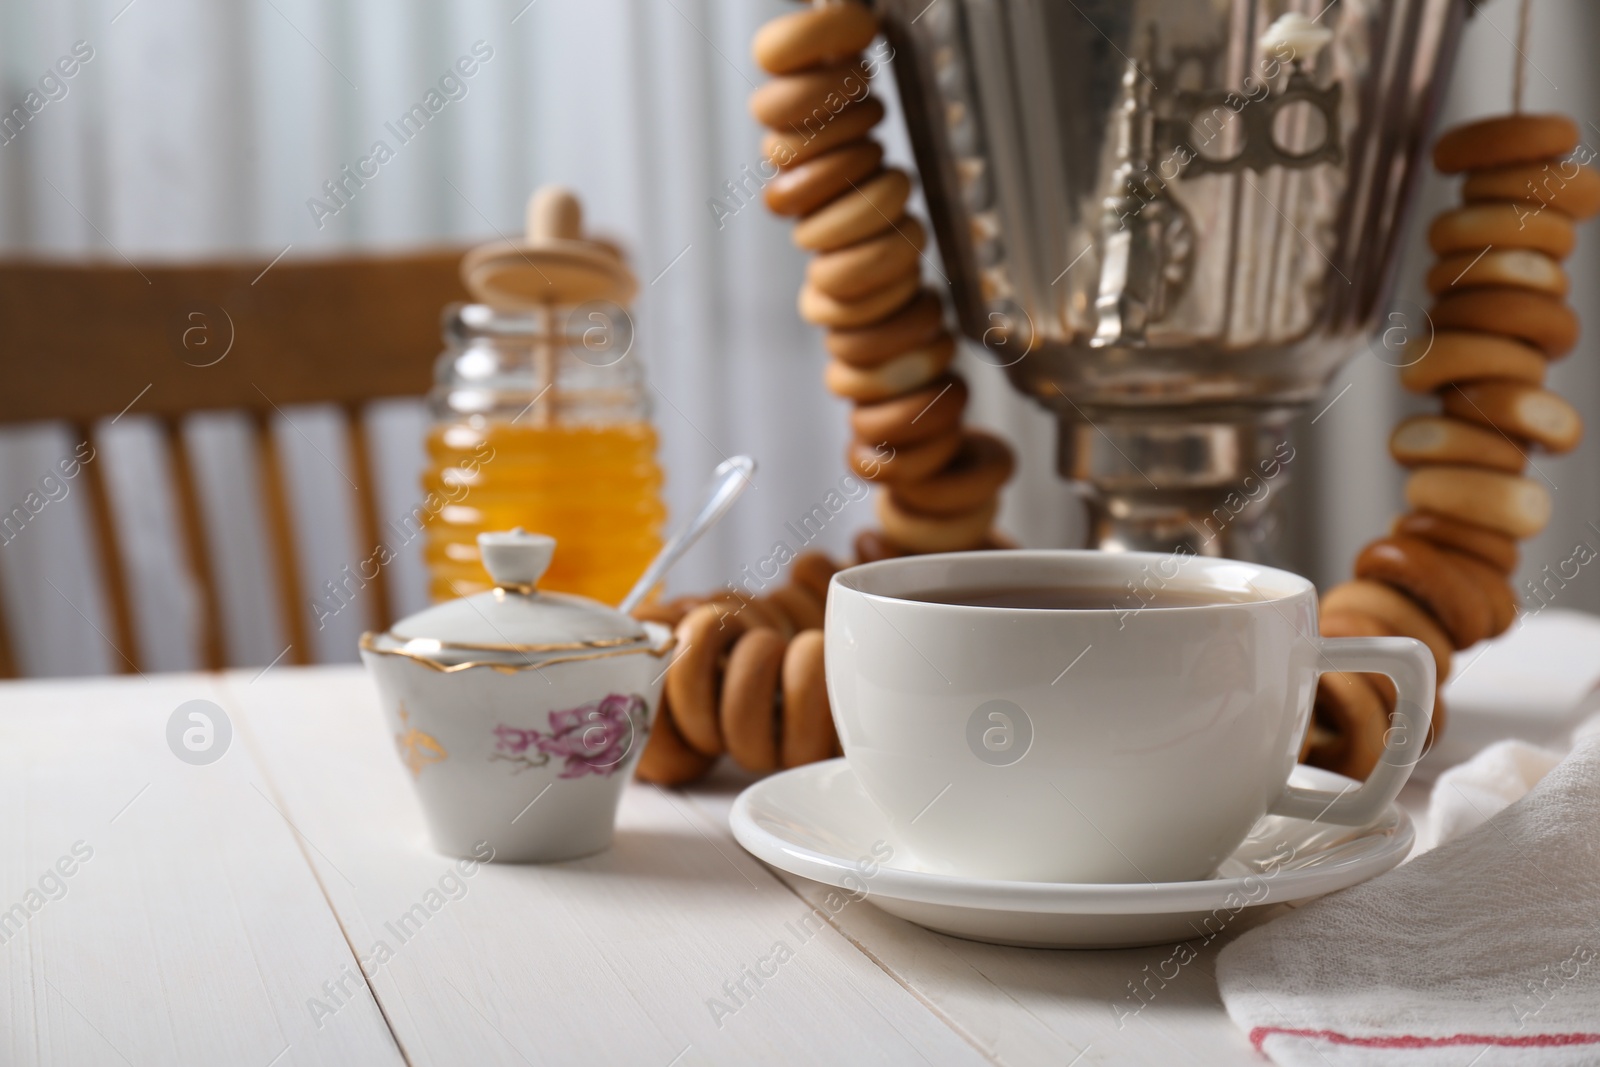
x=513, y=623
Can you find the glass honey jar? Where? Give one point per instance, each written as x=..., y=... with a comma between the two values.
x=541, y=416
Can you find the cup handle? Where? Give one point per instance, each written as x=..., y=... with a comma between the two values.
x=1409, y=663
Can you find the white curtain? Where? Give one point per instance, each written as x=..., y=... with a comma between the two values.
x=199, y=129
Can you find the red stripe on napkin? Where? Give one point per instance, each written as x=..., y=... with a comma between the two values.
x=1261, y=1033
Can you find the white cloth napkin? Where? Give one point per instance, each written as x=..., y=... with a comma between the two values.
x=1525, y=684
x=1487, y=947
x=1466, y=797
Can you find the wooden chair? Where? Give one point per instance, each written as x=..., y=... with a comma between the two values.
x=87, y=342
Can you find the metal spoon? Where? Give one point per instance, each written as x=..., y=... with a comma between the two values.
x=731, y=478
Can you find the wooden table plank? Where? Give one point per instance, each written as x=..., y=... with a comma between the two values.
x=190, y=928
x=620, y=958
x=1024, y=1007
x=1041, y=1006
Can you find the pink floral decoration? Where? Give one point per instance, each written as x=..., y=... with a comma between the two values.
x=595, y=738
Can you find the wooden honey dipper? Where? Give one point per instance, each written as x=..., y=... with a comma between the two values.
x=554, y=266
x=747, y=680
x=1442, y=575
x=891, y=352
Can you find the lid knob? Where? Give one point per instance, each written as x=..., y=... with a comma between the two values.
x=1301, y=35
x=515, y=558
x=554, y=214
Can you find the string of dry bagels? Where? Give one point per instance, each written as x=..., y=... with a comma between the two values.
x=886, y=336
x=1500, y=318
x=750, y=683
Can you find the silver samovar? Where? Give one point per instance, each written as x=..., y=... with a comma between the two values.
x=1170, y=221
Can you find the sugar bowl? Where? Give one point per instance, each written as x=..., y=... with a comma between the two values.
x=519, y=715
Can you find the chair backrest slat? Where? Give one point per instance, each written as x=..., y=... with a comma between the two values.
x=191, y=522
x=108, y=552
x=376, y=590
x=8, y=656
x=280, y=536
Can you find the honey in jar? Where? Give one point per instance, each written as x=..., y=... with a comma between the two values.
x=541, y=417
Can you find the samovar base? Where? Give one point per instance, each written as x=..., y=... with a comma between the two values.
x=1157, y=482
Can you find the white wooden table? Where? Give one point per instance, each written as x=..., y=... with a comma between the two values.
x=224, y=914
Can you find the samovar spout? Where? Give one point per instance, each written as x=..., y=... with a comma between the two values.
x=1144, y=233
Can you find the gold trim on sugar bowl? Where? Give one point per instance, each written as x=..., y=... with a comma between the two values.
x=369, y=644
x=561, y=646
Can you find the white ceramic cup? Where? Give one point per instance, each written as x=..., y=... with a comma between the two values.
x=1122, y=744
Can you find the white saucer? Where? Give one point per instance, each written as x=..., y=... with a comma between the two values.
x=817, y=822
